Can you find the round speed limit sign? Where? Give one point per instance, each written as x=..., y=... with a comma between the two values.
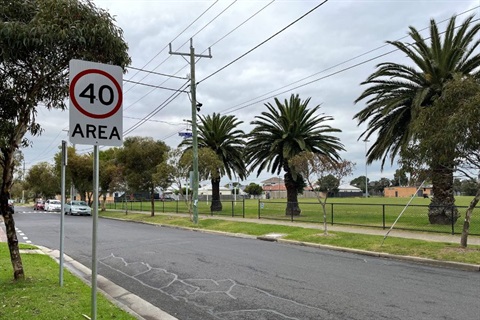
x=96, y=98
x=96, y=93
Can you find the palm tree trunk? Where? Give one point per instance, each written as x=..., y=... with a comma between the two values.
x=292, y=200
x=216, y=204
x=442, y=209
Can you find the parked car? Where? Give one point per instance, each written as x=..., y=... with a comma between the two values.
x=11, y=206
x=39, y=205
x=167, y=198
x=77, y=208
x=53, y=205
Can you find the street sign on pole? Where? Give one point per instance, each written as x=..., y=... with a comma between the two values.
x=96, y=115
x=96, y=118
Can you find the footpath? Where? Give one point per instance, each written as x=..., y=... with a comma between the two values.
x=142, y=309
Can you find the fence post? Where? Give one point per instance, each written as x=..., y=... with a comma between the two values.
x=233, y=210
x=258, y=208
x=243, y=207
x=332, y=212
x=383, y=215
x=291, y=211
x=453, y=221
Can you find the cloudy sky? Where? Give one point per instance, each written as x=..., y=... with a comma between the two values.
x=325, y=55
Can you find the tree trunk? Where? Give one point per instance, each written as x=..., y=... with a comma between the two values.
x=16, y=259
x=7, y=176
x=104, y=199
x=216, y=204
x=442, y=209
x=292, y=199
x=466, y=222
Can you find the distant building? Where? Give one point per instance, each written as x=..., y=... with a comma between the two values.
x=274, y=188
x=346, y=190
x=405, y=192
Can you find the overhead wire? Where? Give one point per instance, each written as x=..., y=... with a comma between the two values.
x=265, y=41
x=258, y=98
x=176, y=37
x=151, y=85
x=201, y=29
x=157, y=73
x=167, y=101
x=220, y=39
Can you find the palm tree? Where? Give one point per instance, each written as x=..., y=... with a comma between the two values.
x=282, y=133
x=220, y=134
x=397, y=93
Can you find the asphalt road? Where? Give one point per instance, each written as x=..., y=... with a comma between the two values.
x=194, y=275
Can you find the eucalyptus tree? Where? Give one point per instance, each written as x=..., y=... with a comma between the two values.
x=398, y=92
x=37, y=41
x=139, y=159
x=43, y=180
x=284, y=131
x=221, y=134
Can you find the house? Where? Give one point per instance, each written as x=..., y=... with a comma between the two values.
x=346, y=190
x=274, y=188
x=406, y=192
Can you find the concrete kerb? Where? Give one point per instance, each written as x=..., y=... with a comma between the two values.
x=439, y=263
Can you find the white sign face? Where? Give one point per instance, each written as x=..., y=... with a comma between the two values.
x=96, y=96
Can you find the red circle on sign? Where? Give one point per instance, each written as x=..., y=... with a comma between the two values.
x=85, y=112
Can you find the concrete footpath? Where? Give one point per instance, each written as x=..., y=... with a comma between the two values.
x=142, y=309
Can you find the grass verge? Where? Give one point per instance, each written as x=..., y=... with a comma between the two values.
x=399, y=246
x=40, y=296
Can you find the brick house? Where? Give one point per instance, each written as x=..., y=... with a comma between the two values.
x=405, y=192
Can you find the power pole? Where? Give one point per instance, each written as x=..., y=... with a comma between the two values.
x=194, y=121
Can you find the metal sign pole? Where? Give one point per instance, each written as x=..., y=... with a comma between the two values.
x=62, y=208
x=94, y=234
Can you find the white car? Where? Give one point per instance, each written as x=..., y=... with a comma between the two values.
x=53, y=205
x=77, y=208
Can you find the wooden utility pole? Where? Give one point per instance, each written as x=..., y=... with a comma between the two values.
x=193, y=92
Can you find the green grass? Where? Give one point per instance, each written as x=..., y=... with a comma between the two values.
x=374, y=211
x=399, y=246
x=40, y=296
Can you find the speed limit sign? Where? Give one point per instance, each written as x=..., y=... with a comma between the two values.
x=96, y=97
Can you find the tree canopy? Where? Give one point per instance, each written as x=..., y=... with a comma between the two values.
x=37, y=41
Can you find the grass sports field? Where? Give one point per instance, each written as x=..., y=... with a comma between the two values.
x=374, y=211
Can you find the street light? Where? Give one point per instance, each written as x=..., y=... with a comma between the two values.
x=366, y=178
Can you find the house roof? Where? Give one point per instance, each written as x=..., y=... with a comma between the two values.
x=274, y=187
x=348, y=188
x=273, y=180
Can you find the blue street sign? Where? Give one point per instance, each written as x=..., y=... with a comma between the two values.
x=185, y=134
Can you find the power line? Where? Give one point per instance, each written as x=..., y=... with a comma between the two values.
x=172, y=97
x=166, y=46
x=151, y=85
x=257, y=99
x=263, y=42
x=201, y=29
x=157, y=73
x=241, y=24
